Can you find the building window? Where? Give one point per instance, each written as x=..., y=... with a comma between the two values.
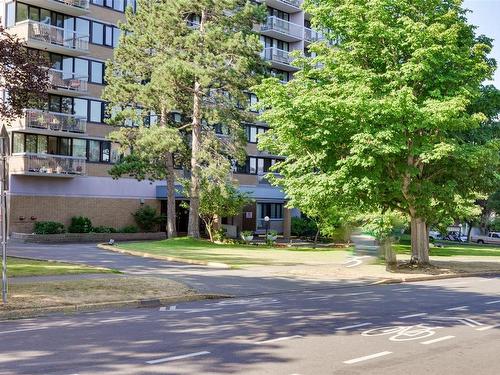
x=97, y=33
x=21, y=12
x=96, y=72
x=18, y=143
x=95, y=111
x=273, y=210
x=79, y=148
x=10, y=16
x=94, y=151
x=105, y=152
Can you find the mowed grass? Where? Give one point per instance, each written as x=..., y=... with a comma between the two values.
x=235, y=254
x=454, y=249
x=17, y=267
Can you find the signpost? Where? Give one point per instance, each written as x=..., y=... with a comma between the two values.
x=4, y=179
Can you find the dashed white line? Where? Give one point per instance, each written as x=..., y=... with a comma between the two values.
x=487, y=327
x=278, y=339
x=354, y=326
x=412, y=315
x=458, y=308
x=355, y=294
x=437, y=340
x=169, y=359
x=492, y=302
x=366, y=358
x=24, y=330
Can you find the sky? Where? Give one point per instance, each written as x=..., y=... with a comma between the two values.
x=486, y=15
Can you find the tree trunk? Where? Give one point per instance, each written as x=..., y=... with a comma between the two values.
x=419, y=241
x=169, y=166
x=171, y=226
x=388, y=253
x=194, y=195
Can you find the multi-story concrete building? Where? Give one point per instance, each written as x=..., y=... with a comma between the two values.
x=60, y=155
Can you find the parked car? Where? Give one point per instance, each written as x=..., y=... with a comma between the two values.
x=435, y=235
x=491, y=238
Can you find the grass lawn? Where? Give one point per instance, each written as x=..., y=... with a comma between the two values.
x=26, y=267
x=451, y=249
x=235, y=254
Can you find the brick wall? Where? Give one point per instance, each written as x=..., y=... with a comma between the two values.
x=110, y=212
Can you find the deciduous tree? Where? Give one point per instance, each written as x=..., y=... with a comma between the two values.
x=375, y=120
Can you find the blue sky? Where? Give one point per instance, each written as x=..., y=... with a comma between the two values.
x=486, y=15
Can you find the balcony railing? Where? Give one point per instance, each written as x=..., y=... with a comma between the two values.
x=311, y=35
x=277, y=55
x=61, y=122
x=283, y=27
x=84, y=4
x=44, y=164
x=57, y=36
x=68, y=81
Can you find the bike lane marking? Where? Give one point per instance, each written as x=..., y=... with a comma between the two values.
x=487, y=327
x=366, y=358
x=278, y=339
x=169, y=359
x=437, y=340
x=353, y=326
x=458, y=308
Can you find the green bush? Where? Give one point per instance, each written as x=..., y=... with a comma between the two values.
x=103, y=229
x=80, y=224
x=48, y=227
x=147, y=218
x=129, y=229
x=303, y=227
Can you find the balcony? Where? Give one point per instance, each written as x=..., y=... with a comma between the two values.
x=311, y=36
x=279, y=58
x=35, y=119
x=69, y=7
x=70, y=83
x=51, y=38
x=29, y=164
x=289, y=6
x=283, y=30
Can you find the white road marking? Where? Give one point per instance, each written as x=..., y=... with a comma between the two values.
x=412, y=315
x=367, y=357
x=354, y=326
x=492, y=302
x=188, y=311
x=458, y=308
x=402, y=289
x=24, y=330
x=279, y=339
x=437, y=340
x=355, y=294
x=168, y=359
x=467, y=321
x=487, y=327
x=111, y=320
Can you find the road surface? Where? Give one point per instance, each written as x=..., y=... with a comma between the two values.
x=435, y=327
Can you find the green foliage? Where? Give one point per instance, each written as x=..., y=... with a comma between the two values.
x=303, y=227
x=495, y=225
x=381, y=119
x=247, y=233
x=218, y=235
x=80, y=224
x=383, y=225
x=129, y=229
x=147, y=218
x=48, y=227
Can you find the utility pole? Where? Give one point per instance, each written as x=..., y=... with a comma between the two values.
x=4, y=176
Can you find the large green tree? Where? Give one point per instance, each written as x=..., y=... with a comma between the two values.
x=196, y=57
x=374, y=121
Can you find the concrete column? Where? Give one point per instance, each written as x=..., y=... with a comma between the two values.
x=287, y=223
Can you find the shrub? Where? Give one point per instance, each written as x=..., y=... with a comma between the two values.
x=303, y=227
x=80, y=224
x=147, y=218
x=48, y=227
x=129, y=229
x=218, y=235
x=103, y=229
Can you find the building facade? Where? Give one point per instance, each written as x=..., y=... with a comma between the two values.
x=60, y=154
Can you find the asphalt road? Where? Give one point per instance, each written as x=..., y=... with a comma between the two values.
x=435, y=327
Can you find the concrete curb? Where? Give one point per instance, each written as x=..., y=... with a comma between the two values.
x=162, y=257
x=434, y=277
x=68, y=309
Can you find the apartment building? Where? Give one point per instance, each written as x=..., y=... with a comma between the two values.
x=60, y=154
